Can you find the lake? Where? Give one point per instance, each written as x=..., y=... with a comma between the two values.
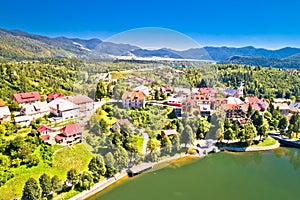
x=250, y=175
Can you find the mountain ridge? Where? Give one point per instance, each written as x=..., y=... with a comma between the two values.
x=18, y=45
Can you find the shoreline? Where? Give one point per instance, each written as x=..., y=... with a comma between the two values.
x=98, y=187
x=251, y=149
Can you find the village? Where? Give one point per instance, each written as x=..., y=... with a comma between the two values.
x=68, y=115
x=134, y=119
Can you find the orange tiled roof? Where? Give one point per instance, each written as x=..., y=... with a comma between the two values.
x=208, y=90
x=232, y=106
x=135, y=95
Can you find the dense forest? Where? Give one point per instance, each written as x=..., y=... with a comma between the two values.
x=19, y=77
x=262, y=82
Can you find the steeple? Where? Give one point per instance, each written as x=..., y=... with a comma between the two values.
x=240, y=90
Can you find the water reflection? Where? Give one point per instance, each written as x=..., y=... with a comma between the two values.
x=291, y=154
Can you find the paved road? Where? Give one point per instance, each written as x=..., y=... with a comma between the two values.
x=99, y=104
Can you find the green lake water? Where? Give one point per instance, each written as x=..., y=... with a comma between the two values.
x=252, y=175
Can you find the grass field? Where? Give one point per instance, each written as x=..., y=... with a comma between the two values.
x=76, y=156
x=266, y=142
x=140, y=141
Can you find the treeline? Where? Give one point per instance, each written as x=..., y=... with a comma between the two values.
x=46, y=76
x=99, y=167
x=21, y=150
x=261, y=82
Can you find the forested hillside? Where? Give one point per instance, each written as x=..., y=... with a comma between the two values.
x=264, y=82
x=45, y=77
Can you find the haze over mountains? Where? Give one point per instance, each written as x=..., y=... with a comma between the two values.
x=19, y=45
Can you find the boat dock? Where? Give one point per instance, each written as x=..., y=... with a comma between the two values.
x=135, y=170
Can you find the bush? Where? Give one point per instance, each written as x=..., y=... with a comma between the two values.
x=33, y=160
x=191, y=151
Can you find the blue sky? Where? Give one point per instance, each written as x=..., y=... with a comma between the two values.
x=264, y=23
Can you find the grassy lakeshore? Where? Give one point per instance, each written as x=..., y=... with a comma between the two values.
x=269, y=141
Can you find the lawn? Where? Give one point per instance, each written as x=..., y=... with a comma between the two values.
x=266, y=142
x=76, y=156
x=140, y=141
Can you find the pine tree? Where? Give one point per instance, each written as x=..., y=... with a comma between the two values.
x=32, y=190
x=45, y=183
x=100, y=91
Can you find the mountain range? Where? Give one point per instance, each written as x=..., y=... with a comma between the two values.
x=19, y=45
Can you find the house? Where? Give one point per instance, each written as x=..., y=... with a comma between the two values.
x=283, y=108
x=46, y=134
x=234, y=111
x=64, y=109
x=22, y=120
x=204, y=110
x=27, y=98
x=165, y=89
x=119, y=124
x=232, y=92
x=211, y=92
x=218, y=102
x=174, y=101
x=144, y=89
x=169, y=133
x=133, y=99
x=71, y=133
x=295, y=107
x=35, y=110
x=281, y=100
x=54, y=95
x=257, y=104
x=234, y=100
x=196, y=103
x=5, y=114
x=85, y=104
x=243, y=121
x=44, y=129
x=182, y=90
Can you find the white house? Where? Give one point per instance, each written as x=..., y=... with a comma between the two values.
x=35, y=110
x=144, y=89
x=283, y=108
x=64, y=109
x=85, y=104
x=22, y=120
x=5, y=114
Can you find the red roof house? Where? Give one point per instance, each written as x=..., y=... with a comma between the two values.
x=28, y=97
x=54, y=95
x=71, y=134
x=71, y=129
x=256, y=103
x=212, y=92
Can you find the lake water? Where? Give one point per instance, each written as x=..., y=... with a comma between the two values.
x=252, y=175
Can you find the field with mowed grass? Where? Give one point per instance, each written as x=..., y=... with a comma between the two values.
x=77, y=157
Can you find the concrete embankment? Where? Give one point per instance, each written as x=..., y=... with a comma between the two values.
x=249, y=149
x=99, y=186
x=137, y=169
